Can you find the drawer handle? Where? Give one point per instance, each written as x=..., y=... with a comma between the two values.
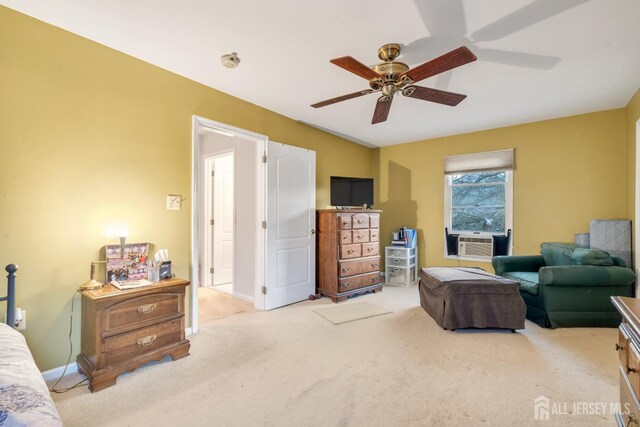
x=346, y=284
x=359, y=236
x=397, y=261
x=630, y=370
x=395, y=270
x=374, y=265
x=369, y=249
x=395, y=252
x=360, y=221
x=147, y=308
x=344, y=237
x=143, y=342
x=632, y=420
x=345, y=270
x=350, y=251
x=618, y=347
x=373, y=279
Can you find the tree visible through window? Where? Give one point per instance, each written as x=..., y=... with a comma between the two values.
x=478, y=202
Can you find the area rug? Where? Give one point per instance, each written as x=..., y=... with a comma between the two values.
x=343, y=313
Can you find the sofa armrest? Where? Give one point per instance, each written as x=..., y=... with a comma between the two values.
x=618, y=261
x=505, y=264
x=585, y=276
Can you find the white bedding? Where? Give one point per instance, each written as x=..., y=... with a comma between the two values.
x=24, y=396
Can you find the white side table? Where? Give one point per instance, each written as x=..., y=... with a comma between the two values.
x=401, y=265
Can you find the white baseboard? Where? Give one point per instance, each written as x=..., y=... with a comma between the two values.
x=243, y=297
x=55, y=373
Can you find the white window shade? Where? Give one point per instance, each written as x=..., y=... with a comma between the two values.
x=479, y=162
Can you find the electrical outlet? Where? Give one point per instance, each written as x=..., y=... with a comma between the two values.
x=22, y=323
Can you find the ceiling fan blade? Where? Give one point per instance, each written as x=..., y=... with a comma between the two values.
x=519, y=59
x=443, y=17
x=522, y=18
x=381, y=112
x=341, y=98
x=356, y=67
x=446, y=62
x=433, y=95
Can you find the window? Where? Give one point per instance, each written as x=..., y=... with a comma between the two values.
x=479, y=202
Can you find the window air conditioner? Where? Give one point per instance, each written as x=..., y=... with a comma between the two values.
x=474, y=246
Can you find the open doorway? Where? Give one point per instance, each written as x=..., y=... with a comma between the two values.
x=219, y=201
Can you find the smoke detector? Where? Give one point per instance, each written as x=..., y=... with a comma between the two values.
x=230, y=60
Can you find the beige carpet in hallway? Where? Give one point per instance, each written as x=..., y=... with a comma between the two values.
x=214, y=304
x=290, y=367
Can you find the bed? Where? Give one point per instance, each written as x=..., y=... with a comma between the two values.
x=24, y=396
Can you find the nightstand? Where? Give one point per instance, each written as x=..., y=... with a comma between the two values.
x=124, y=329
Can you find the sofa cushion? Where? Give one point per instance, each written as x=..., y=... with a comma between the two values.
x=528, y=280
x=591, y=257
x=556, y=254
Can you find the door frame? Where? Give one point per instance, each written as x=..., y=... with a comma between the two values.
x=209, y=200
x=260, y=142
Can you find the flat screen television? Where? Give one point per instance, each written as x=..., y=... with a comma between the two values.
x=351, y=191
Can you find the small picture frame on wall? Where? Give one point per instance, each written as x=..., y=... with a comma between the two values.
x=128, y=266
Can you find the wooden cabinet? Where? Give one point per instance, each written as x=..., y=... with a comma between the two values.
x=628, y=348
x=348, y=252
x=122, y=330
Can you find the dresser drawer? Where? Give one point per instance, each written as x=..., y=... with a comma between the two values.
x=629, y=405
x=370, y=249
x=345, y=237
x=623, y=345
x=355, y=282
x=360, y=236
x=350, y=251
x=345, y=221
x=353, y=268
x=374, y=220
x=139, y=310
x=124, y=347
x=374, y=235
x=360, y=221
x=633, y=367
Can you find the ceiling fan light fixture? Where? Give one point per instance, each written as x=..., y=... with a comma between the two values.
x=230, y=60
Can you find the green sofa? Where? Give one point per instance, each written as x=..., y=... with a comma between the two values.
x=568, y=286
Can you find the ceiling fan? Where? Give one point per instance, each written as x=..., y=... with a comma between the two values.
x=391, y=78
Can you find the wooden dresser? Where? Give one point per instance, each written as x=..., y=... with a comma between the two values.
x=628, y=348
x=122, y=330
x=348, y=252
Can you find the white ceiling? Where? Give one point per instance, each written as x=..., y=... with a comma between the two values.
x=540, y=59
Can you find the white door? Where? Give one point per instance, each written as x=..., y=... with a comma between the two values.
x=223, y=219
x=291, y=223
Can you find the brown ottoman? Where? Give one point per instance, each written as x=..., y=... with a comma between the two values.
x=471, y=298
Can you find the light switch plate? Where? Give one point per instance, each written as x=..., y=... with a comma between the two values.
x=174, y=202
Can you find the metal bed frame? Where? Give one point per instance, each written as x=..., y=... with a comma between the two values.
x=11, y=294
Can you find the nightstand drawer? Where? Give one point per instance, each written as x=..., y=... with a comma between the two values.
x=140, y=310
x=353, y=268
x=123, y=347
x=355, y=282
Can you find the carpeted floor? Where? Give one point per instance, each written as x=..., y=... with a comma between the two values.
x=290, y=367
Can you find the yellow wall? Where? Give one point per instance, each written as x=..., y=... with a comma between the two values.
x=633, y=115
x=568, y=171
x=92, y=138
